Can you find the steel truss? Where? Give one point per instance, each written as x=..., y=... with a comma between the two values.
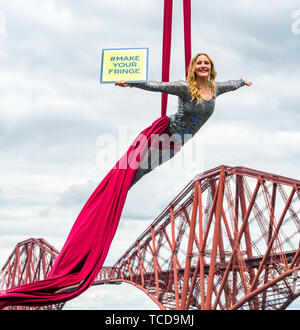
x=229, y=240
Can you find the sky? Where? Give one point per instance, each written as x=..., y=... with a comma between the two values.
x=55, y=114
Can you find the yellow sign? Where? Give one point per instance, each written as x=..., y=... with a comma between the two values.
x=129, y=64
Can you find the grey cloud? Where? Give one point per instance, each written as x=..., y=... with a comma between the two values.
x=76, y=194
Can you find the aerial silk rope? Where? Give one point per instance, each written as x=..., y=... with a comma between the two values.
x=167, y=37
x=88, y=242
x=87, y=245
x=166, y=51
x=187, y=33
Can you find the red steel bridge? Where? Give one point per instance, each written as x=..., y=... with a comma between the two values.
x=229, y=240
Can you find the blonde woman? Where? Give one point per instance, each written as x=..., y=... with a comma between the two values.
x=197, y=97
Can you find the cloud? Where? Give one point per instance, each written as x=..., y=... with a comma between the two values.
x=113, y=297
x=76, y=194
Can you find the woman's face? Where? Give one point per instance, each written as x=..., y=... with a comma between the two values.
x=202, y=67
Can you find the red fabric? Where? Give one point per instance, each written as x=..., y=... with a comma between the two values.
x=167, y=37
x=187, y=33
x=166, y=53
x=87, y=245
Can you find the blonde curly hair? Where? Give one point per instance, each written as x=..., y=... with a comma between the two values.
x=192, y=78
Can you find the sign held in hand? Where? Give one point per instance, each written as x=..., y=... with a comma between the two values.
x=128, y=64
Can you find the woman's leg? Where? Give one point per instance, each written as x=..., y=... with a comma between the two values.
x=153, y=159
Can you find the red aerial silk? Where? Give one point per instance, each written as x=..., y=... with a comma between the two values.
x=87, y=245
x=167, y=37
x=187, y=33
x=166, y=53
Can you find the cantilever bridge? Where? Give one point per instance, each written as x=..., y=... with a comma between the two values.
x=229, y=240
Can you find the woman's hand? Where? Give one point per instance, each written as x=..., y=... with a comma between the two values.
x=121, y=83
x=248, y=83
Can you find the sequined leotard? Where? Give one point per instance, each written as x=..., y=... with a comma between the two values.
x=190, y=116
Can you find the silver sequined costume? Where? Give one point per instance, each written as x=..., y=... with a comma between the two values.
x=188, y=119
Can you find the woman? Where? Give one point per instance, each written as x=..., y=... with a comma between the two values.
x=197, y=96
x=87, y=245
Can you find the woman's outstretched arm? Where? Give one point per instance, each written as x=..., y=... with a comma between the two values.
x=231, y=85
x=179, y=88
